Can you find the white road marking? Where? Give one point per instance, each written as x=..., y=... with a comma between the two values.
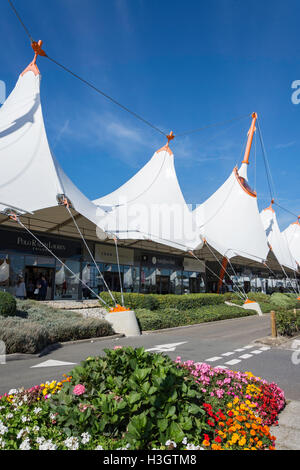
x=240, y=349
x=228, y=354
x=265, y=348
x=165, y=347
x=257, y=351
x=245, y=356
x=249, y=346
x=53, y=363
x=233, y=362
x=221, y=367
x=213, y=359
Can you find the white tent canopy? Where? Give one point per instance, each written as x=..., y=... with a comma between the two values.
x=277, y=241
x=292, y=236
x=150, y=206
x=31, y=178
x=230, y=222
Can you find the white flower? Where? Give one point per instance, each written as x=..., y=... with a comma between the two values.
x=2, y=443
x=99, y=448
x=25, y=444
x=170, y=443
x=37, y=410
x=193, y=447
x=10, y=415
x=72, y=443
x=13, y=391
x=40, y=440
x=20, y=434
x=47, y=445
x=85, y=438
x=3, y=429
x=52, y=416
x=184, y=441
x=25, y=419
x=36, y=428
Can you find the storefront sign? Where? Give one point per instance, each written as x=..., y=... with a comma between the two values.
x=194, y=265
x=23, y=242
x=162, y=261
x=107, y=254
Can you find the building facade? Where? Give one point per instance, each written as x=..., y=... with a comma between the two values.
x=140, y=270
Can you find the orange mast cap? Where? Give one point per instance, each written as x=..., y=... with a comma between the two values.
x=37, y=48
x=250, y=138
x=166, y=148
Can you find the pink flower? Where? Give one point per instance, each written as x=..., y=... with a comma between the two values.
x=79, y=390
x=118, y=347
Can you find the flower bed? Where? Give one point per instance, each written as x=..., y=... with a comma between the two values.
x=131, y=399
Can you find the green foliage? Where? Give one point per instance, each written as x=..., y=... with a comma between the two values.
x=172, y=317
x=288, y=323
x=143, y=398
x=8, y=305
x=283, y=300
x=36, y=326
x=161, y=302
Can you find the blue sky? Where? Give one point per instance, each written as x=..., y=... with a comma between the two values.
x=181, y=65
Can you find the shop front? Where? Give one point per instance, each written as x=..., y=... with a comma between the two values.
x=21, y=256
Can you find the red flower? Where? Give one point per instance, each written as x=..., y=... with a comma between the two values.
x=206, y=437
x=218, y=439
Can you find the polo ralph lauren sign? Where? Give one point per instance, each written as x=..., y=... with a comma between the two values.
x=13, y=240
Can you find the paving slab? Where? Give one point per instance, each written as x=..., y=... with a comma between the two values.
x=287, y=432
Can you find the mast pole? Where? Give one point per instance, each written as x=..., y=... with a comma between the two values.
x=250, y=138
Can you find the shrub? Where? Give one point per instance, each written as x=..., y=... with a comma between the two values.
x=158, y=301
x=131, y=391
x=288, y=323
x=36, y=326
x=8, y=305
x=172, y=317
x=283, y=300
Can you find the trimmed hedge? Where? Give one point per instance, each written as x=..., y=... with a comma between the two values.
x=172, y=317
x=162, y=302
x=288, y=323
x=8, y=305
x=36, y=326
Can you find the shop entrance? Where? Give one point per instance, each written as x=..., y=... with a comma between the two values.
x=113, y=281
x=32, y=277
x=162, y=284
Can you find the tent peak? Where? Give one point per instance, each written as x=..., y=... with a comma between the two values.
x=297, y=222
x=37, y=49
x=166, y=147
x=270, y=208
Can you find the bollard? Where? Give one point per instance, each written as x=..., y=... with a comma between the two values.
x=273, y=324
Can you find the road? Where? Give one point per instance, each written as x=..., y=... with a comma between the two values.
x=228, y=343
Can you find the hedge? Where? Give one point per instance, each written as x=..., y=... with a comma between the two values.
x=8, y=305
x=162, y=302
x=172, y=317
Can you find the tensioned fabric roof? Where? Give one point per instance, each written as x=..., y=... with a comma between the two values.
x=292, y=236
x=277, y=241
x=151, y=206
x=31, y=178
x=230, y=222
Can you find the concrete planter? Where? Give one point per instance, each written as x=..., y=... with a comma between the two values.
x=124, y=322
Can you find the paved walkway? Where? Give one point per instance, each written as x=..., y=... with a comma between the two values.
x=288, y=431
